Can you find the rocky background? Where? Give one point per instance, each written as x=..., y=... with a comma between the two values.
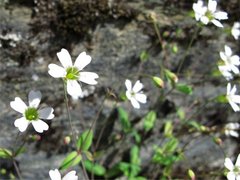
x=114, y=33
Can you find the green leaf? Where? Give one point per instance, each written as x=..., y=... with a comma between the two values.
x=136, y=136
x=5, y=153
x=126, y=125
x=85, y=140
x=144, y=56
x=124, y=167
x=94, y=168
x=134, y=170
x=183, y=88
x=19, y=151
x=171, y=145
x=72, y=159
x=134, y=155
x=149, y=120
x=168, y=128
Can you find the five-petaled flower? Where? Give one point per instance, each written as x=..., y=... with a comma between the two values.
x=234, y=170
x=230, y=62
x=134, y=94
x=209, y=13
x=55, y=175
x=236, y=30
x=232, y=98
x=72, y=73
x=31, y=113
x=231, y=129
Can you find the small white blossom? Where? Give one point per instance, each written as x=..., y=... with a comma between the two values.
x=232, y=98
x=72, y=73
x=234, y=170
x=55, y=175
x=225, y=72
x=134, y=94
x=231, y=61
x=31, y=113
x=231, y=129
x=209, y=13
x=236, y=30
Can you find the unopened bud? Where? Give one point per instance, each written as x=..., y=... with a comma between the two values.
x=191, y=174
x=218, y=141
x=171, y=76
x=158, y=82
x=67, y=140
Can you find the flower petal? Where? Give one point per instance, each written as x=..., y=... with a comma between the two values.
x=217, y=23
x=65, y=58
x=228, y=164
x=46, y=113
x=228, y=88
x=234, y=106
x=235, y=60
x=82, y=60
x=70, y=176
x=204, y=20
x=18, y=105
x=238, y=161
x=137, y=86
x=231, y=175
x=135, y=103
x=55, y=174
x=34, y=98
x=40, y=125
x=74, y=89
x=142, y=98
x=56, y=71
x=128, y=85
x=88, y=77
x=228, y=50
x=221, y=15
x=212, y=5
x=21, y=124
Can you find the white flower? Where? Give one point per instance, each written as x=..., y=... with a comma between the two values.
x=231, y=129
x=232, y=98
x=231, y=62
x=72, y=73
x=236, y=30
x=31, y=113
x=225, y=72
x=234, y=170
x=55, y=175
x=209, y=13
x=134, y=94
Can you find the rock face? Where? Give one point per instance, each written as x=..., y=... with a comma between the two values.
x=114, y=33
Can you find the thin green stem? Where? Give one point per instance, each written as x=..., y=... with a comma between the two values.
x=17, y=169
x=68, y=112
x=71, y=125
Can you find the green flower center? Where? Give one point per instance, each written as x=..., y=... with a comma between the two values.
x=209, y=15
x=31, y=114
x=72, y=73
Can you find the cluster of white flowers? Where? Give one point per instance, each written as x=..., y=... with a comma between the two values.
x=230, y=67
x=209, y=13
x=234, y=170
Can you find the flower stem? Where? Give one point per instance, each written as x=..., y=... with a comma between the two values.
x=17, y=169
x=68, y=112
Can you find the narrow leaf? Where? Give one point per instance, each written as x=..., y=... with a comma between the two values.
x=85, y=140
